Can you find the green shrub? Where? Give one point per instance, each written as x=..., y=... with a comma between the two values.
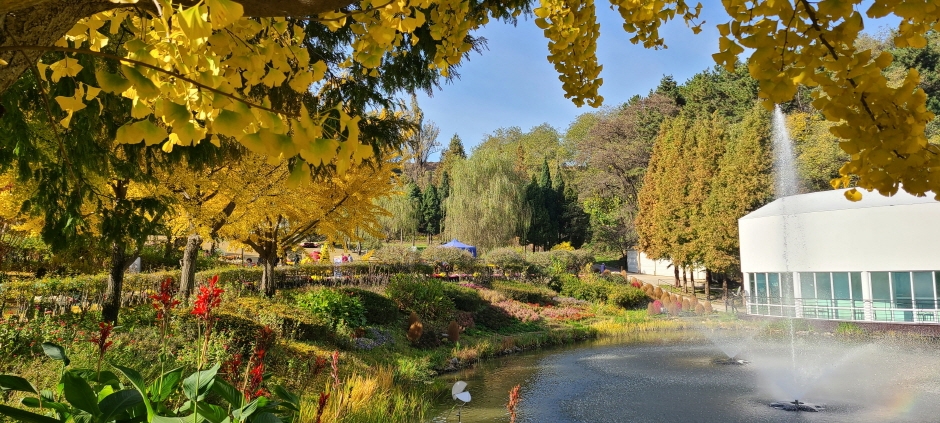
x=507, y=259
x=627, y=296
x=524, y=292
x=397, y=254
x=422, y=295
x=584, y=290
x=493, y=318
x=287, y=320
x=448, y=257
x=464, y=298
x=338, y=308
x=379, y=309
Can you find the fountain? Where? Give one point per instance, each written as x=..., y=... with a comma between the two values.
x=786, y=179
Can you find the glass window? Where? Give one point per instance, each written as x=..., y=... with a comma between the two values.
x=807, y=285
x=786, y=288
x=856, y=278
x=761, y=286
x=840, y=286
x=901, y=285
x=823, y=286
x=880, y=287
x=773, y=281
x=923, y=290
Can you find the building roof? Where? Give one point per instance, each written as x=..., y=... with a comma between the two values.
x=833, y=200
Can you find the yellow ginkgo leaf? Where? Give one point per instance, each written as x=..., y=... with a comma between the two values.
x=274, y=78
x=194, y=25
x=319, y=151
x=111, y=82
x=146, y=89
x=853, y=195
x=300, y=174
x=224, y=12
x=231, y=123
x=65, y=67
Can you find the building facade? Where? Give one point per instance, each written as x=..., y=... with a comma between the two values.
x=820, y=256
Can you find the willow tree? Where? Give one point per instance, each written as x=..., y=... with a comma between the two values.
x=486, y=206
x=402, y=217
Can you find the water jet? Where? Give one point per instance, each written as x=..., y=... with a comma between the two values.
x=797, y=405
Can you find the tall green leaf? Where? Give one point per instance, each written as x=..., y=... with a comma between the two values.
x=79, y=393
x=55, y=352
x=16, y=383
x=113, y=405
x=138, y=381
x=25, y=416
x=161, y=388
x=196, y=385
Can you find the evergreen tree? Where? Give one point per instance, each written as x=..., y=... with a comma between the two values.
x=575, y=225
x=444, y=190
x=416, y=198
x=431, y=210
x=539, y=218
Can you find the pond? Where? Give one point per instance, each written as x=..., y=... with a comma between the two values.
x=682, y=377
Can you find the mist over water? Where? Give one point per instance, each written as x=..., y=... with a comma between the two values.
x=786, y=179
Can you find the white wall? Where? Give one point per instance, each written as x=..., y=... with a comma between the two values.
x=895, y=237
x=640, y=263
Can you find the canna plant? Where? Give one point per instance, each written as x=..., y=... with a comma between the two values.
x=101, y=396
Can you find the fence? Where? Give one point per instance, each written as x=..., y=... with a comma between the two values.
x=84, y=293
x=843, y=309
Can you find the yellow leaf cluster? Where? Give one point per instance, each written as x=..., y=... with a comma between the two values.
x=813, y=44
x=191, y=74
x=572, y=29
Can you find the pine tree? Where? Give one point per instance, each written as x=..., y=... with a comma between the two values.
x=431, y=209
x=414, y=194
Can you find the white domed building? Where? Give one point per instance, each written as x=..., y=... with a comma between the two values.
x=820, y=256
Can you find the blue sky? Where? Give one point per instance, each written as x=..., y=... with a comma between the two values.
x=513, y=84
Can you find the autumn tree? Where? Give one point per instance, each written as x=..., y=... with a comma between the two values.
x=613, y=157
x=743, y=184
x=789, y=44
x=420, y=143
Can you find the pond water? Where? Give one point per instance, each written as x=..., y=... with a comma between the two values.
x=676, y=377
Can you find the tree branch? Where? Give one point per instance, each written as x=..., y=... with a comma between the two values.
x=148, y=66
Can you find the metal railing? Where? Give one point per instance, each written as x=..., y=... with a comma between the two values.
x=847, y=310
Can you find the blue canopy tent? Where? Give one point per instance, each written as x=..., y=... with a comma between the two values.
x=457, y=244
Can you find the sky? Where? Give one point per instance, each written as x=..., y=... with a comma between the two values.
x=513, y=84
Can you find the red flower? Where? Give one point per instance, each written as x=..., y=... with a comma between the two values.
x=210, y=296
x=321, y=404
x=163, y=301
x=101, y=338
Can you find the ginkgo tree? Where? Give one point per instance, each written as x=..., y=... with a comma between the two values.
x=193, y=69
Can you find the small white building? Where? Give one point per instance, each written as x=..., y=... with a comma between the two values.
x=639, y=262
x=820, y=256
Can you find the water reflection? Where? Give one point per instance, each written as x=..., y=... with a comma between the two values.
x=674, y=378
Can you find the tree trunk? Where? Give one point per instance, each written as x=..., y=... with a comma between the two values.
x=111, y=304
x=724, y=287
x=708, y=282
x=685, y=280
x=267, y=262
x=692, y=280
x=675, y=270
x=188, y=271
